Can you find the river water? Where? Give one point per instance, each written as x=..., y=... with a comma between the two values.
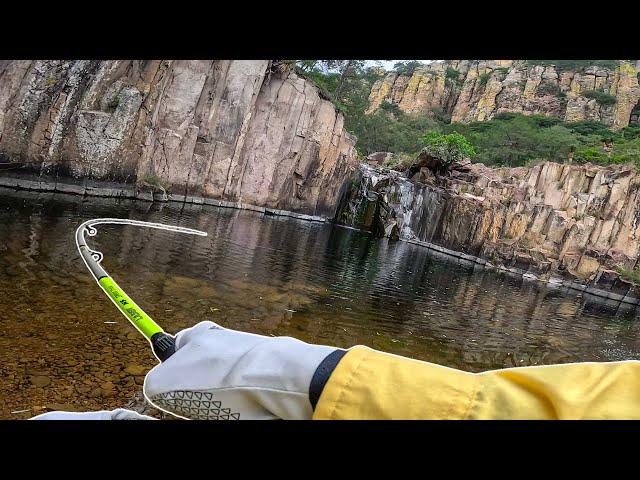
x=63, y=345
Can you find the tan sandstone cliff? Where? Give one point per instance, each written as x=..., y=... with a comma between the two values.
x=476, y=90
x=578, y=223
x=244, y=131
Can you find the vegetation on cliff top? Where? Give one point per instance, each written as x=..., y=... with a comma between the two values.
x=603, y=98
x=511, y=139
x=406, y=68
x=577, y=65
x=508, y=139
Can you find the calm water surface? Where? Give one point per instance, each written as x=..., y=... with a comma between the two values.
x=64, y=345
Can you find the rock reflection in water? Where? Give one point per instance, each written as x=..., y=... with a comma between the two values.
x=63, y=345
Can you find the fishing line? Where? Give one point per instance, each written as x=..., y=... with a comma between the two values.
x=162, y=344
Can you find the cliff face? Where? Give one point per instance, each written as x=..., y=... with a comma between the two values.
x=245, y=131
x=573, y=222
x=477, y=90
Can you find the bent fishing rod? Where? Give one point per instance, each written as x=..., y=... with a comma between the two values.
x=162, y=344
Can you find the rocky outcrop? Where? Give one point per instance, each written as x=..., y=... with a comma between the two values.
x=578, y=223
x=244, y=131
x=477, y=90
x=380, y=158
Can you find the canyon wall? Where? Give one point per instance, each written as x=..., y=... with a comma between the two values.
x=244, y=131
x=476, y=90
x=579, y=223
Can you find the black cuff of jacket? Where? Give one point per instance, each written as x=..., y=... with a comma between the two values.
x=322, y=374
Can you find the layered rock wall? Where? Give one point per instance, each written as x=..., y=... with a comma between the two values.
x=576, y=222
x=244, y=131
x=472, y=90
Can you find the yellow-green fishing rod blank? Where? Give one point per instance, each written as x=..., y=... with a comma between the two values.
x=163, y=344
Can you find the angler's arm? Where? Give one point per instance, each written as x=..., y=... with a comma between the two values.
x=117, y=414
x=368, y=384
x=217, y=373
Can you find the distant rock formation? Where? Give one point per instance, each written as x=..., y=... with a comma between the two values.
x=244, y=131
x=476, y=90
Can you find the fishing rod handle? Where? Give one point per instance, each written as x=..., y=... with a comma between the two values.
x=163, y=344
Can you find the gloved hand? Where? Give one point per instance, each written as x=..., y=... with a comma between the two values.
x=217, y=373
x=117, y=414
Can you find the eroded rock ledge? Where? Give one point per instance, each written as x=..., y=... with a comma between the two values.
x=241, y=131
x=573, y=225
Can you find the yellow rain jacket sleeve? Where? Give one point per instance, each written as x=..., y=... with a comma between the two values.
x=368, y=384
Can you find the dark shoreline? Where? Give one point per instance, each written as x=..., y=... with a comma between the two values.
x=130, y=192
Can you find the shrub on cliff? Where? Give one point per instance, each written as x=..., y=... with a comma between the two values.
x=406, y=68
x=630, y=275
x=630, y=132
x=548, y=88
x=627, y=152
x=483, y=78
x=448, y=148
x=452, y=76
x=602, y=98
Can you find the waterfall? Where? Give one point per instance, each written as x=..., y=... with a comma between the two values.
x=390, y=205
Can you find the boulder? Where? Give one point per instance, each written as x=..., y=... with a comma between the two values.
x=40, y=380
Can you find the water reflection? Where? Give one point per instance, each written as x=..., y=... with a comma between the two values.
x=268, y=275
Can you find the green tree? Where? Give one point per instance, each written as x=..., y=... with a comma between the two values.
x=307, y=65
x=387, y=129
x=406, y=68
x=349, y=70
x=452, y=76
x=395, y=132
x=448, y=148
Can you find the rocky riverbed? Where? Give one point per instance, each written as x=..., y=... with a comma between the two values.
x=72, y=368
x=64, y=346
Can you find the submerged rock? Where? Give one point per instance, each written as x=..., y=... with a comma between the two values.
x=40, y=380
x=135, y=370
